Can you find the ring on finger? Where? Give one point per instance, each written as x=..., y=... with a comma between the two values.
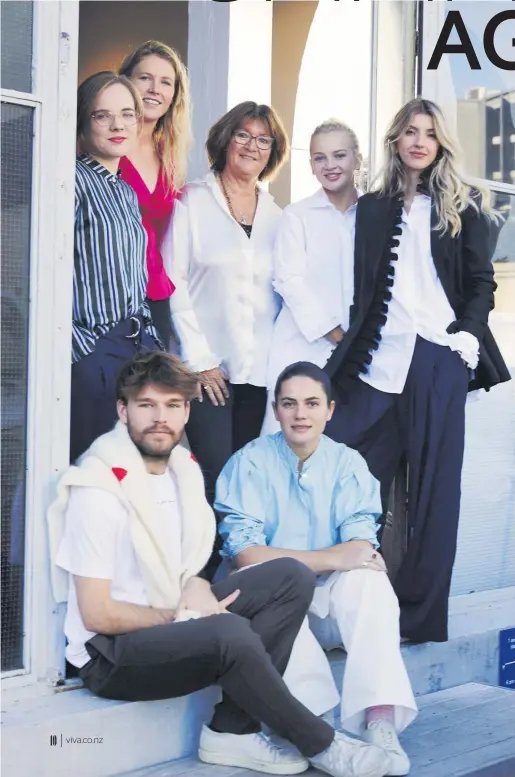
x=374, y=555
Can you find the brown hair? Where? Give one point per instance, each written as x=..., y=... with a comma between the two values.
x=172, y=133
x=221, y=134
x=91, y=88
x=155, y=368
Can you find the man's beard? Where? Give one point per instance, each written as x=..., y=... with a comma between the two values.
x=147, y=450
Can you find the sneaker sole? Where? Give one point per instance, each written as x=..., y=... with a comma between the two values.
x=402, y=772
x=373, y=772
x=222, y=759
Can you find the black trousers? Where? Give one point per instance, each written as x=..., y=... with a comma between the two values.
x=215, y=433
x=160, y=309
x=93, y=389
x=245, y=652
x=426, y=424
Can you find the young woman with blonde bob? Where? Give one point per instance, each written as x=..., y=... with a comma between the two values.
x=418, y=341
x=314, y=258
x=156, y=165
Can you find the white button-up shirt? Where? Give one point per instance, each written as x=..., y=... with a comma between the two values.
x=419, y=306
x=313, y=272
x=224, y=305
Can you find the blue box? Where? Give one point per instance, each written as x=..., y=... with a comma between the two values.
x=507, y=658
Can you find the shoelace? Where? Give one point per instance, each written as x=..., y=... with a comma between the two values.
x=269, y=745
x=386, y=736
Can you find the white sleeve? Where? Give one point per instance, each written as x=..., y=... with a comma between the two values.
x=93, y=520
x=292, y=283
x=177, y=251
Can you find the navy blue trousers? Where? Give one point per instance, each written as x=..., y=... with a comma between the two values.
x=426, y=425
x=93, y=390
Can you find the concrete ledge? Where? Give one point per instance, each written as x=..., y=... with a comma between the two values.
x=133, y=734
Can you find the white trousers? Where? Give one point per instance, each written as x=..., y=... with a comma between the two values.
x=357, y=610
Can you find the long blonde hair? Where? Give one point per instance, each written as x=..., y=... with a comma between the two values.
x=450, y=191
x=172, y=133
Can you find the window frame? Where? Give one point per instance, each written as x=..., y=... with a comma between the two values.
x=53, y=99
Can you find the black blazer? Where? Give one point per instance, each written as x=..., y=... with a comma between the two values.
x=463, y=264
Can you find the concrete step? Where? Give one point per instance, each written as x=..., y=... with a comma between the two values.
x=138, y=735
x=467, y=731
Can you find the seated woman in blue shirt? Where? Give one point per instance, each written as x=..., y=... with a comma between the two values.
x=299, y=494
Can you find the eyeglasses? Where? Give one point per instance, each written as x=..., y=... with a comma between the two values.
x=106, y=118
x=264, y=142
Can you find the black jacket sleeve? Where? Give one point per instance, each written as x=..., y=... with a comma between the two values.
x=478, y=272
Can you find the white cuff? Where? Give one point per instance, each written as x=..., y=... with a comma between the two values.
x=208, y=362
x=467, y=345
x=187, y=615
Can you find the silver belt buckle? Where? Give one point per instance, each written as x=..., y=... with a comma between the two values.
x=135, y=334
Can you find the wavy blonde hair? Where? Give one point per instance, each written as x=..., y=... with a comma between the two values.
x=450, y=191
x=172, y=133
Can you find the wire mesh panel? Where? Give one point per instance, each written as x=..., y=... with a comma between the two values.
x=16, y=45
x=16, y=163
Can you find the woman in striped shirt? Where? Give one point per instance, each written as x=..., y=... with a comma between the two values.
x=111, y=319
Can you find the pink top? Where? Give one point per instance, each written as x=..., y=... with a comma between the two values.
x=156, y=209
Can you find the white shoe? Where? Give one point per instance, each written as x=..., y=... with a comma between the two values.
x=249, y=751
x=348, y=757
x=382, y=734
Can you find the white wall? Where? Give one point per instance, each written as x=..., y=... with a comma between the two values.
x=229, y=61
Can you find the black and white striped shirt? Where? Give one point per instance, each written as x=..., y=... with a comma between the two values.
x=110, y=269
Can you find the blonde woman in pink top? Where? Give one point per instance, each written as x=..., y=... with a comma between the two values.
x=156, y=168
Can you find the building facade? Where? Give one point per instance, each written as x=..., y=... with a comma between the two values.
x=311, y=60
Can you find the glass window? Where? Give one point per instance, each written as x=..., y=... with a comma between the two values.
x=488, y=480
x=504, y=255
x=16, y=160
x=484, y=99
x=17, y=28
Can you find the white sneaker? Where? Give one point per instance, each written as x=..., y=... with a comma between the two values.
x=348, y=757
x=382, y=734
x=249, y=751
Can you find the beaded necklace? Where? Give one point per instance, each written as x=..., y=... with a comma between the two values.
x=242, y=220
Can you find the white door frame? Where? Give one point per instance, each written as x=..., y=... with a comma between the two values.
x=53, y=98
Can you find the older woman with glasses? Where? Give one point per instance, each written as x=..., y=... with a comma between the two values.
x=218, y=251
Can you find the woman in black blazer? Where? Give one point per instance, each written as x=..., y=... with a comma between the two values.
x=418, y=341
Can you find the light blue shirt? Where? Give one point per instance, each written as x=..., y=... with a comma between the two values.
x=265, y=500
